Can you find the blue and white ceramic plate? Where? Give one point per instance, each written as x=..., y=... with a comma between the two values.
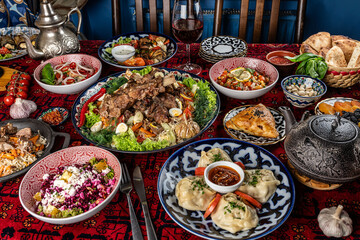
x=183, y=163
x=63, y=112
x=223, y=47
x=16, y=31
x=93, y=89
x=108, y=58
x=279, y=124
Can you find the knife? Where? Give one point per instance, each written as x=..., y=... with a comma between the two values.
x=140, y=190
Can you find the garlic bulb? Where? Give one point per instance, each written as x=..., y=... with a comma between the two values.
x=22, y=108
x=186, y=129
x=335, y=222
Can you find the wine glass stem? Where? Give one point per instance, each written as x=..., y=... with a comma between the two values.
x=188, y=53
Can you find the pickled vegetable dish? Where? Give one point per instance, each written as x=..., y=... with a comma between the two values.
x=243, y=79
x=73, y=190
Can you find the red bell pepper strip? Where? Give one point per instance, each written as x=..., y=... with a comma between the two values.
x=84, y=109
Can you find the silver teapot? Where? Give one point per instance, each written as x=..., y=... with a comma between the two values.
x=323, y=147
x=55, y=38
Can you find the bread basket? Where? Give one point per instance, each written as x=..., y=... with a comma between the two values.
x=340, y=77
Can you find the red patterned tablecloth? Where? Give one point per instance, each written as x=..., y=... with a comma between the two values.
x=113, y=222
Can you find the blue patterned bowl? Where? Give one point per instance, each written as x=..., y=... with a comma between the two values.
x=183, y=163
x=298, y=101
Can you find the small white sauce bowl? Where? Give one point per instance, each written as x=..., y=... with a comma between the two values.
x=224, y=189
x=123, y=57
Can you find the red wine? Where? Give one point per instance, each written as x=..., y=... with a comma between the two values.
x=187, y=30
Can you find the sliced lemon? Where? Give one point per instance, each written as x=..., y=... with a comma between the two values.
x=237, y=71
x=244, y=77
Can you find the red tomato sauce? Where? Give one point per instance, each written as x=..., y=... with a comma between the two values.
x=224, y=176
x=279, y=60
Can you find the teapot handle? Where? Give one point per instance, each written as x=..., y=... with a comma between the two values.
x=77, y=10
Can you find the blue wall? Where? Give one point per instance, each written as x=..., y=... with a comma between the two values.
x=334, y=16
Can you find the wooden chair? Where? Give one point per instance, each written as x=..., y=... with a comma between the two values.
x=259, y=18
x=140, y=16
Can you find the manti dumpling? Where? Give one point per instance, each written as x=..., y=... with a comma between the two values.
x=260, y=184
x=233, y=214
x=213, y=155
x=193, y=193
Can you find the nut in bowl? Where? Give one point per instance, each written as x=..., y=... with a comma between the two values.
x=68, y=74
x=224, y=176
x=60, y=173
x=244, y=77
x=303, y=91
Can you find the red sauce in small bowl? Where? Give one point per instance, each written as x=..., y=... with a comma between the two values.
x=224, y=176
x=280, y=60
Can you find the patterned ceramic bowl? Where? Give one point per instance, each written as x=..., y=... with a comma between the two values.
x=83, y=59
x=63, y=112
x=298, y=101
x=259, y=65
x=32, y=181
x=183, y=163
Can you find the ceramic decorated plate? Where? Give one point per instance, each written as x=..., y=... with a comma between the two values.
x=63, y=112
x=16, y=31
x=108, y=58
x=223, y=46
x=183, y=162
x=279, y=122
x=331, y=101
x=93, y=89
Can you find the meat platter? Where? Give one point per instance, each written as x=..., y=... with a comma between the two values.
x=145, y=111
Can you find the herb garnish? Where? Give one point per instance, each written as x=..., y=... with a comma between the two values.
x=231, y=206
x=255, y=179
x=199, y=184
x=217, y=157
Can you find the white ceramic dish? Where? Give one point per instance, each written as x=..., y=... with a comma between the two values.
x=83, y=59
x=259, y=65
x=219, y=188
x=32, y=181
x=118, y=54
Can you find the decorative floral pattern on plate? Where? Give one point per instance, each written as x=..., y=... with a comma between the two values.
x=279, y=123
x=223, y=46
x=183, y=163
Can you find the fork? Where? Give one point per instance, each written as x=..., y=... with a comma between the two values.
x=126, y=187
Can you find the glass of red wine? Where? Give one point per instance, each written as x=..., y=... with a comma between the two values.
x=187, y=27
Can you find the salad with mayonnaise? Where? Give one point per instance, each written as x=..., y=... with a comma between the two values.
x=75, y=189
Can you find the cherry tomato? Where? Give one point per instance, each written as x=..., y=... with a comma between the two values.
x=24, y=82
x=15, y=76
x=82, y=71
x=72, y=65
x=12, y=93
x=10, y=88
x=25, y=76
x=64, y=69
x=8, y=100
x=22, y=95
x=24, y=88
x=57, y=75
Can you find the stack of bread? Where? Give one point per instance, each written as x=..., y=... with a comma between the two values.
x=342, y=55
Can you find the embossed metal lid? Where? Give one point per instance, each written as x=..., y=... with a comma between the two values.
x=48, y=17
x=333, y=128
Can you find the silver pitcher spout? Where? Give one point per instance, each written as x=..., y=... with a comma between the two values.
x=32, y=51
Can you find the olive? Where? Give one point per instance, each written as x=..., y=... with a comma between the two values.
x=354, y=119
x=357, y=113
x=345, y=114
